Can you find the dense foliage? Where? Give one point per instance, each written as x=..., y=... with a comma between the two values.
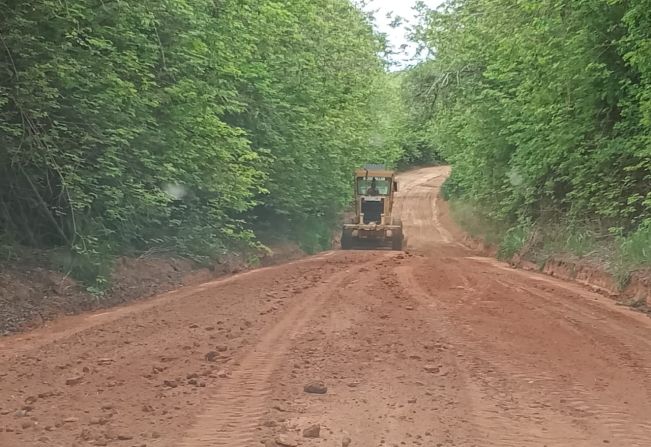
x=543, y=107
x=127, y=125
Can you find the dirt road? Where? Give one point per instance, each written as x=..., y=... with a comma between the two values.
x=436, y=347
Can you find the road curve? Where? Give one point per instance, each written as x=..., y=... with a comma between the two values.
x=434, y=347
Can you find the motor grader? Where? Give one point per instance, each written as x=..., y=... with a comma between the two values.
x=374, y=224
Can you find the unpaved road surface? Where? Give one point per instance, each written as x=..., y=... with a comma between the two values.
x=435, y=347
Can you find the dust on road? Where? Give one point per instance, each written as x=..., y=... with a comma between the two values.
x=437, y=347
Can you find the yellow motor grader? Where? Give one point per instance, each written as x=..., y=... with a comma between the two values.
x=374, y=224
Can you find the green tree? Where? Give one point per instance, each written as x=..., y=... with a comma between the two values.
x=127, y=125
x=537, y=106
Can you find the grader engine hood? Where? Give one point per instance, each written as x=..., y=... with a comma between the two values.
x=372, y=208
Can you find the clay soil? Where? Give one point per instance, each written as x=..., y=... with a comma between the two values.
x=438, y=346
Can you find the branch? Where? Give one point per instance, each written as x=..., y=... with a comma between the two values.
x=45, y=207
x=11, y=58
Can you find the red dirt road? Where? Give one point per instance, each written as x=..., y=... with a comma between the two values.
x=438, y=347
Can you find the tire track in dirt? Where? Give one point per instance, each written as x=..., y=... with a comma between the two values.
x=151, y=365
x=486, y=410
x=503, y=412
x=519, y=402
x=615, y=345
x=237, y=407
x=371, y=344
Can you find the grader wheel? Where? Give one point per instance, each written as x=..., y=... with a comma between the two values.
x=347, y=240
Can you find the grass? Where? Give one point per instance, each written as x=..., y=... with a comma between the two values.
x=620, y=255
x=514, y=241
x=632, y=252
x=636, y=247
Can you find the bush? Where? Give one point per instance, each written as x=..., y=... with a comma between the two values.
x=513, y=241
x=635, y=249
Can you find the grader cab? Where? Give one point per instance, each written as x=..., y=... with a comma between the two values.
x=374, y=224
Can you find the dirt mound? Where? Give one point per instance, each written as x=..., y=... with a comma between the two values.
x=134, y=278
x=637, y=291
x=284, y=252
x=30, y=295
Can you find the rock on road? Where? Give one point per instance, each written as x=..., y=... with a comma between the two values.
x=435, y=347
